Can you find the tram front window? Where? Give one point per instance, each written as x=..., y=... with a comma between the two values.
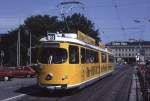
x=49, y=55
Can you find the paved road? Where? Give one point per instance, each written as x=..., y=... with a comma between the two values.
x=9, y=89
x=112, y=88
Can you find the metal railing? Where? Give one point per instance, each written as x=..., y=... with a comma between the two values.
x=144, y=79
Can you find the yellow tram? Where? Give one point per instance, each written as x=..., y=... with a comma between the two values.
x=71, y=60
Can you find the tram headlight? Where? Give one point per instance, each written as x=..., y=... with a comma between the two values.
x=64, y=77
x=49, y=76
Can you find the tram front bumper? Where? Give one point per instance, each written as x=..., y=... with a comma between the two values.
x=53, y=87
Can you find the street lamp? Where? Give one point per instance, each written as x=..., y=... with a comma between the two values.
x=29, y=50
x=18, y=48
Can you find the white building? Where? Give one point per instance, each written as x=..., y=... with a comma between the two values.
x=129, y=50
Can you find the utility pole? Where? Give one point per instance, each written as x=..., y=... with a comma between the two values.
x=30, y=47
x=17, y=53
x=2, y=56
x=18, y=49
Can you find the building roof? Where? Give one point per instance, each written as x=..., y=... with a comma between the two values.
x=128, y=43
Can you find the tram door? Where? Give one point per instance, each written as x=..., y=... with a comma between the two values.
x=74, y=66
x=103, y=62
x=83, y=61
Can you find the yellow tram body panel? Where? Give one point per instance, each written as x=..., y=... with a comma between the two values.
x=59, y=72
x=103, y=68
x=74, y=74
x=69, y=74
x=110, y=66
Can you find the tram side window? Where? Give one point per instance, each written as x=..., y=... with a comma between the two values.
x=103, y=57
x=82, y=55
x=96, y=57
x=111, y=58
x=73, y=54
x=88, y=56
x=91, y=56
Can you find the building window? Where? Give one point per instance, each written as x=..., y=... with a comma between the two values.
x=133, y=54
x=119, y=54
x=129, y=54
x=132, y=49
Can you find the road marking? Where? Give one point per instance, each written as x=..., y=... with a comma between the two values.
x=11, y=98
x=8, y=88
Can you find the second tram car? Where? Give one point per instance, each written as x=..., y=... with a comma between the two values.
x=71, y=60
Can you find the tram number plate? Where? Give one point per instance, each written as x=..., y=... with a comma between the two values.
x=51, y=37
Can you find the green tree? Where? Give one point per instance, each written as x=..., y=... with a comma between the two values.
x=39, y=25
x=80, y=22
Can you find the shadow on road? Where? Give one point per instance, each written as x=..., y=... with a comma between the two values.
x=34, y=90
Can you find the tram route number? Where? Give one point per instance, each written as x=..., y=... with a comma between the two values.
x=51, y=37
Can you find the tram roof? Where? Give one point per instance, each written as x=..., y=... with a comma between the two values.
x=70, y=38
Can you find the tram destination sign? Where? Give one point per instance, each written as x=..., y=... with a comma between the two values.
x=85, y=38
x=50, y=36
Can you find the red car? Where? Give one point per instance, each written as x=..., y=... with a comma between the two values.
x=23, y=72
x=6, y=74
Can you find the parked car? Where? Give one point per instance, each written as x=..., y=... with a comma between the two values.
x=24, y=72
x=6, y=74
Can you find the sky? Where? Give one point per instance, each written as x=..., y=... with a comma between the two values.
x=116, y=20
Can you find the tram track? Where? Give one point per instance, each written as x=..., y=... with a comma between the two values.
x=123, y=93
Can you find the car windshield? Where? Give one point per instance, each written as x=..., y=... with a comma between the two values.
x=49, y=55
